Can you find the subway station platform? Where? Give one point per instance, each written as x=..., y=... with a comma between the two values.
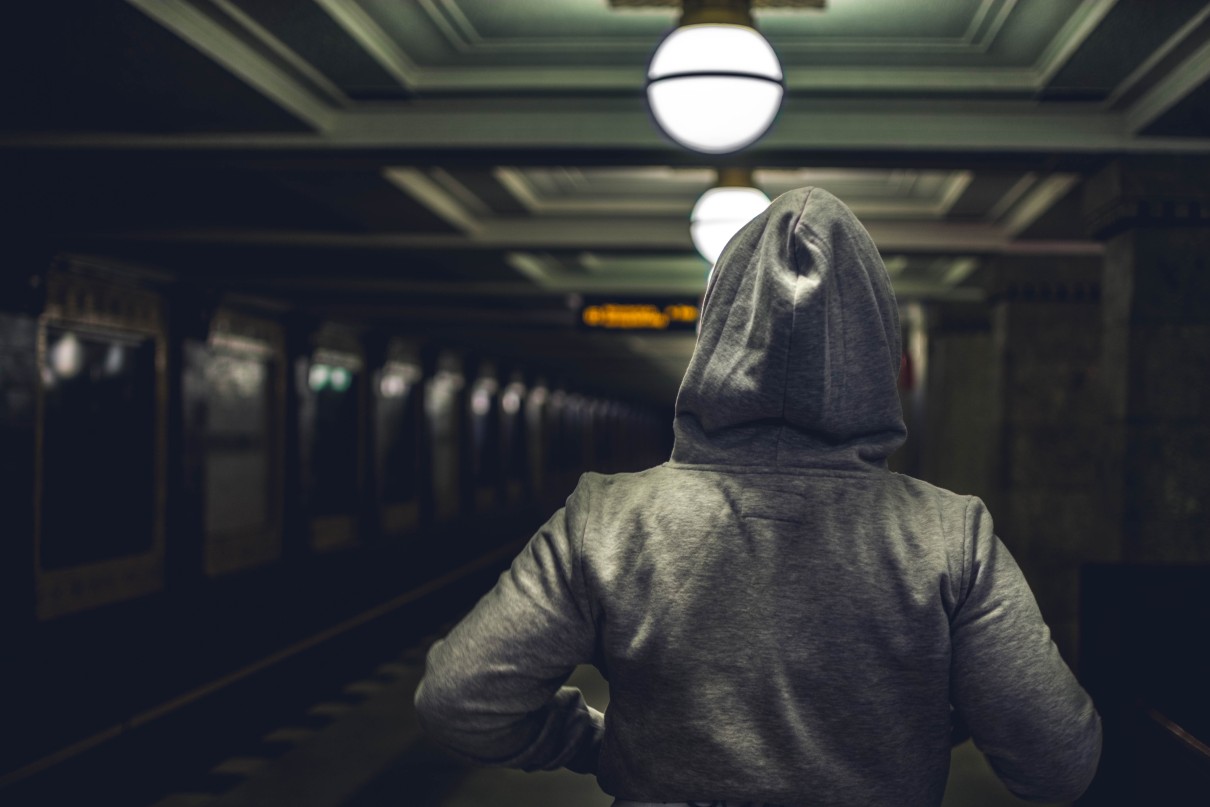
x=359, y=745
x=372, y=753
x=334, y=726
x=328, y=721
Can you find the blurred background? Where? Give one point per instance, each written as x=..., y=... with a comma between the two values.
x=311, y=311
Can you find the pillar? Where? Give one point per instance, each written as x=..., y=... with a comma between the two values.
x=962, y=404
x=1046, y=350
x=1153, y=214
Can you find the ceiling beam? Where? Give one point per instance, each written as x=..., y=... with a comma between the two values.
x=369, y=35
x=571, y=78
x=588, y=125
x=615, y=233
x=1134, y=85
x=1083, y=21
x=1170, y=90
x=324, y=86
x=240, y=59
x=424, y=190
x=398, y=297
x=1034, y=204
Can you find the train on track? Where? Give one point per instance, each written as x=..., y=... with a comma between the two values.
x=215, y=475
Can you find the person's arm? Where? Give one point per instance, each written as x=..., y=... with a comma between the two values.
x=1025, y=709
x=493, y=689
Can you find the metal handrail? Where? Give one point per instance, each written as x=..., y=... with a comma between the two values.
x=1187, y=739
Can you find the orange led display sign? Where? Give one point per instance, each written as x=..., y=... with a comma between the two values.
x=639, y=316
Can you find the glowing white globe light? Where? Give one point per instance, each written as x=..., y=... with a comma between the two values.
x=714, y=88
x=718, y=216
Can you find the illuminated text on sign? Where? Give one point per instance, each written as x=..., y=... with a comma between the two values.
x=635, y=316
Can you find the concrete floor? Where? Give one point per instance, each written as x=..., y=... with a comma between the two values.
x=374, y=755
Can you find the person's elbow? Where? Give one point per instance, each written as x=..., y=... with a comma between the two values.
x=442, y=707
x=448, y=712
x=436, y=705
x=1065, y=770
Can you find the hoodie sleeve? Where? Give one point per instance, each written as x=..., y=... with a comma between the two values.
x=493, y=689
x=1025, y=709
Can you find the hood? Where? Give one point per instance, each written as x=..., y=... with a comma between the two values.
x=799, y=350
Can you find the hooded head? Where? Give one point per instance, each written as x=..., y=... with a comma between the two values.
x=799, y=350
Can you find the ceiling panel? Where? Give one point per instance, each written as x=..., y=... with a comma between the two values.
x=455, y=44
x=982, y=196
x=365, y=199
x=320, y=41
x=154, y=194
x=565, y=191
x=1131, y=32
x=1190, y=117
x=104, y=66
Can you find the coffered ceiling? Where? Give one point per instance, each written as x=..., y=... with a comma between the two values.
x=386, y=159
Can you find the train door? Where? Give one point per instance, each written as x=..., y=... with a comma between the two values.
x=236, y=382
x=537, y=434
x=555, y=439
x=330, y=417
x=398, y=399
x=19, y=379
x=514, y=450
x=100, y=458
x=485, y=439
x=572, y=444
x=443, y=404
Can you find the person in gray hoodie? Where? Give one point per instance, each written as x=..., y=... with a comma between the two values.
x=781, y=619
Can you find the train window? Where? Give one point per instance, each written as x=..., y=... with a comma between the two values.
x=99, y=429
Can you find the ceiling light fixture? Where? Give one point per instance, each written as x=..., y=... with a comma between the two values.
x=723, y=210
x=714, y=84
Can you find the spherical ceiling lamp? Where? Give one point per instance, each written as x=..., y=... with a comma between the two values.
x=723, y=210
x=714, y=84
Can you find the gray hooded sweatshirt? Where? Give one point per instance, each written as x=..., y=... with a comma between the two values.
x=780, y=618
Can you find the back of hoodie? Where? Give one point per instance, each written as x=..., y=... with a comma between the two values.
x=780, y=618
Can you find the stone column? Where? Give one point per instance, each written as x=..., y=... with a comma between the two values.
x=1153, y=213
x=962, y=409
x=1046, y=351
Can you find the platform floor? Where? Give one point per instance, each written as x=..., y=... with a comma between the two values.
x=363, y=748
